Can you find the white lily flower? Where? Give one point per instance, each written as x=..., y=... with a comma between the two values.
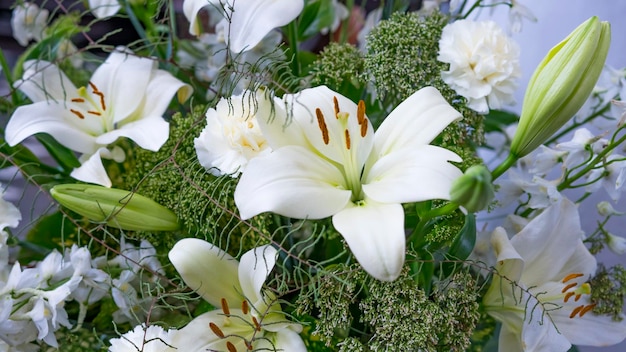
x=104, y=8
x=126, y=97
x=232, y=136
x=28, y=21
x=539, y=290
x=249, y=318
x=328, y=162
x=250, y=20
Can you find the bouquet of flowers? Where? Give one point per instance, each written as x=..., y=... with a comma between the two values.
x=305, y=175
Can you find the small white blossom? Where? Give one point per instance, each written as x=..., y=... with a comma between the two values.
x=147, y=339
x=611, y=177
x=617, y=244
x=581, y=147
x=606, y=209
x=484, y=63
x=28, y=22
x=231, y=137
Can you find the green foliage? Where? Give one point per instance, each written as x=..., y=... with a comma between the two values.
x=358, y=313
x=608, y=290
x=340, y=67
x=203, y=203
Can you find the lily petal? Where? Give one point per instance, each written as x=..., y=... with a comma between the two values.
x=53, y=118
x=254, y=267
x=207, y=269
x=293, y=182
x=197, y=336
x=416, y=121
x=149, y=133
x=92, y=170
x=121, y=94
x=375, y=234
x=282, y=340
x=412, y=175
x=276, y=124
x=538, y=332
x=43, y=81
x=251, y=20
x=161, y=88
x=191, y=9
x=556, y=230
x=104, y=8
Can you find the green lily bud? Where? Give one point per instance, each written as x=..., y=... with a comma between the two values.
x=473, y=190
x=561, y=84
x=115, y=207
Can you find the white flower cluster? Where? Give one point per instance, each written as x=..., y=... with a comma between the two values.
x=33, y=298
x=484, y=63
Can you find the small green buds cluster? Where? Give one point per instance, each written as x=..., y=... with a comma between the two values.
x=115, y=207
x=561, y=84
x=474, y=190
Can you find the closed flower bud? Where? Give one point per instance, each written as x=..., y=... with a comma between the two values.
x=616, y=244
x=115, y=207
x=561, y=84
x=605, y=209
x=473, y=190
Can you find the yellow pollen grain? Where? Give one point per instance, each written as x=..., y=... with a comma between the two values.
x=568, y=296
x=231, y=347
x=571, y=277
x=322, y=125
x=256, y=324
x=573, y=284
x=225, y=308
x=244, y=307
x=576, y=311
x=78, y=100
x=77, y=113
x=586, y=309
x=216, y=330
x=336, y=105
x=347, y=133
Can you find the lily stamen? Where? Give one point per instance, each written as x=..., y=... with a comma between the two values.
x=336, y=105
x=97, y=113
x=216, y=330
x=78, y=100
x=244, y=307
x=98, y=93
x=78, y=113
x=347, y=139
x=225, y=308
x=231, y=347
x=256, y=324
x=586, y=309
x=566, y=288
x=571, y=277
x=568, y=296
x=322, y=125
x=575, y=311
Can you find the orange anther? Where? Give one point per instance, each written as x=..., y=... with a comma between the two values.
x=77, y=113
x=97, y=113
x=568, y=287
x=572, y=276
x=586, y=309
x=256, y=324
x=244, y=307
x=347, y=139
x=336, y=105
x=78, y=100
x=360, y=112
x=322, y=125
x=216, y=330
x=225, y=308
x=568, y=296
x=231, y=347
x=576, y=311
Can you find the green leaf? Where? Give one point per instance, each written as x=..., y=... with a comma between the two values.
x=62, y=155
x=464, y=242
x=28, y=163
x=317, y=14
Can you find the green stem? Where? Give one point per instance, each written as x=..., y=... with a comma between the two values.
x=505, y=165
x=345, y=27
x=387, y=9
x=606, y=151
x=7, y=74
x=425, y=220
x=292, y=35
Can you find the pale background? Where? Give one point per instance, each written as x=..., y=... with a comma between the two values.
x=555, y=20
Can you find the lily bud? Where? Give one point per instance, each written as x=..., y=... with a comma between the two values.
x=605, y=209
x=115, y=207
x=616, y=244
x=473, y=190
x=561, y=84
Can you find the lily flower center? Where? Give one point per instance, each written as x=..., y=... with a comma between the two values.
x=247, y=319
x=576, y=291
x=90, y=104
x=347, y=141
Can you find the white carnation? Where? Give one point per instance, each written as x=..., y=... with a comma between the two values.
x=148, y=339
x=484, y=63
x=231, y=137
